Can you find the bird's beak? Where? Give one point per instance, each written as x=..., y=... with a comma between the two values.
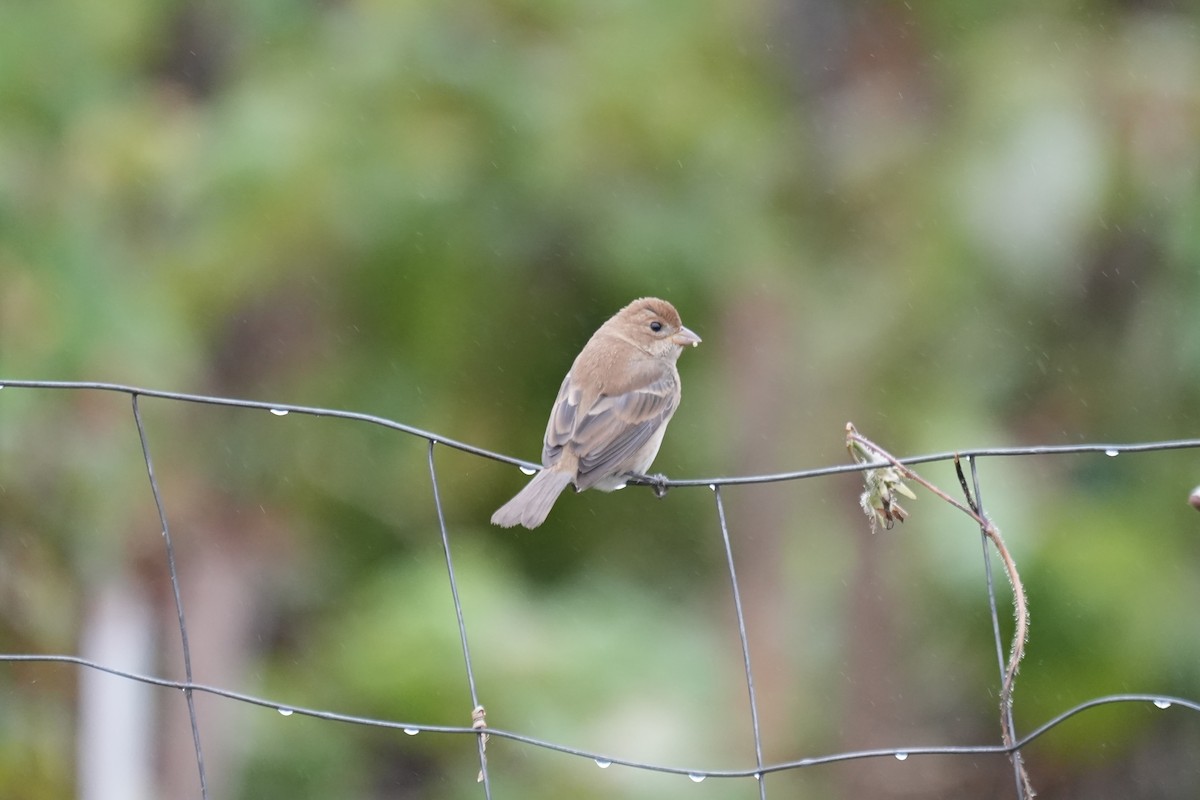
x=685, y=337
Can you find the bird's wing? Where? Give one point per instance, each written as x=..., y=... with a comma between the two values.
x=561, y=426
x=618, y=427
x=614, y=427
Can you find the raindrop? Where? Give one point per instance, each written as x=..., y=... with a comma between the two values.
x=1163, y=703
x=712, y=486
x=695, y=777
x=285, y=712
x=528, y=470
x=603, y=763
x=279, y=412
x=412, y=731
x=901, y=756
x=1112, y=452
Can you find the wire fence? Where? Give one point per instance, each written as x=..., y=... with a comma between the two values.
x=1011, y=742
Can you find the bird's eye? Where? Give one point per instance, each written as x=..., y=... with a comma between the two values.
x=656, y=326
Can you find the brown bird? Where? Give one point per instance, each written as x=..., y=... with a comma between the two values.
x=612, y=410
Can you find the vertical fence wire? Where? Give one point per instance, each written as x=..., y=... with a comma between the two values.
x=476, y=707
x=741, y=625
x=174, y=575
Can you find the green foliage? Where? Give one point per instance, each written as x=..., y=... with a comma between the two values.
x=956, y=225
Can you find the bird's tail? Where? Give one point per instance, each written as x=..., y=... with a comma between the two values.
x=533, y=503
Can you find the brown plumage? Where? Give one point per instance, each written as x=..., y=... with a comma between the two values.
x=612, y=409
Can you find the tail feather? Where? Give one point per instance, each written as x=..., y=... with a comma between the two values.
x=533, y=503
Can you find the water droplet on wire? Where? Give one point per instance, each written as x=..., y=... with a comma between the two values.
x=528, y=470
x=696, y=777
x=285, y=712
x=1163, y=703
x=1112, y=452
x=412, y=731
x=603, y=763
x=279, y=412
x=901, y=756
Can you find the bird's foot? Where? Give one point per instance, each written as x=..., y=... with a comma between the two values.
x=658, y=482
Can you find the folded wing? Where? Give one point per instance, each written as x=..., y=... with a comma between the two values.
x=606, y=432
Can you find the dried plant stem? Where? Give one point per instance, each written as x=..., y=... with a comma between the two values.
x=1020, y=604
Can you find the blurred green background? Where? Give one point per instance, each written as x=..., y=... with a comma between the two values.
x=956, y=224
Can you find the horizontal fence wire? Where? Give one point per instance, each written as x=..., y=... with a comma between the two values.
x=479, y=727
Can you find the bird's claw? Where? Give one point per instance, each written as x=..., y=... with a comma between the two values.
x=658, y=482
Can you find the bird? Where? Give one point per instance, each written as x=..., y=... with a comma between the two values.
x=612, y=409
